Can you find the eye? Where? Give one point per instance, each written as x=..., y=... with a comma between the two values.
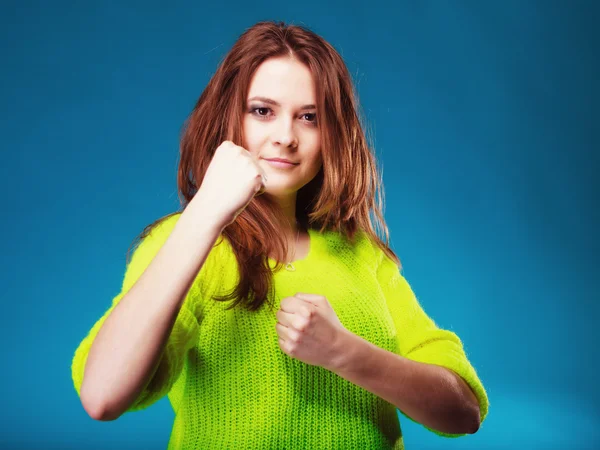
x=262, y=113
x=256, y=109
x=314, y=117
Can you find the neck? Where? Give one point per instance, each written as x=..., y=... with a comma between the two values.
x=290, y=227
x=292, y=230
x=287, y=221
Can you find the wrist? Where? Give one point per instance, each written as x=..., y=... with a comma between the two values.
x=204, y=212
x=347, y=348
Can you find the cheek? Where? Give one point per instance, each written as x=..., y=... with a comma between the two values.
x=315, y=165
x=250, y=131
x=318, y=166
x=318, y=153
x=256, y=138
x=312, y=143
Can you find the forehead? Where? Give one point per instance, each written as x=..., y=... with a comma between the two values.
x=284, y=80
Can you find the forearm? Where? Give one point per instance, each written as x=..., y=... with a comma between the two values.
x=429, y=394
x=127, y=349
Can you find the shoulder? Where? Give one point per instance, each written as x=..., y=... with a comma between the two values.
x=376, y=250
x=154, y=236
x=145, y=247
x=361, y=249
x=162, y=228
x=367, y=246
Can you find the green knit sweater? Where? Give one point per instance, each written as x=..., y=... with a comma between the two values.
x=232, y=387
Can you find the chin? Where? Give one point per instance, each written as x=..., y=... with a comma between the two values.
x=279, y=191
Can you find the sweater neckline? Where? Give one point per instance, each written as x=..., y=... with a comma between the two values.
x=312, y=234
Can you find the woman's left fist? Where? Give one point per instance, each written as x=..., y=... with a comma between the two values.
x=310, y=331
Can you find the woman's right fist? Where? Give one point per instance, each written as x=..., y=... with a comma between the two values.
x=231, y=181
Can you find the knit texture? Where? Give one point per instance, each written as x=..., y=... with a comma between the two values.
x=232, y=387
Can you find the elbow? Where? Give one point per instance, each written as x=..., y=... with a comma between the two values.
x=469, y=411
x=100, y=413
x=97, y=409
x=460, y=420
x=472, y=419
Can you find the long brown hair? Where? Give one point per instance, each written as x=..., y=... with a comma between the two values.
x=328, y=202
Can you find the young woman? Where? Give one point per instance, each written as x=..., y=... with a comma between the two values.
x=268, y=310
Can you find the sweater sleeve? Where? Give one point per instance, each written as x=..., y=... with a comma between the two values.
x=420, y=339
x=183, y=336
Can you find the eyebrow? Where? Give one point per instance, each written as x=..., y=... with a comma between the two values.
x=273, y=102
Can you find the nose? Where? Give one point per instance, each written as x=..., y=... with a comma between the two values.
x=285, y=134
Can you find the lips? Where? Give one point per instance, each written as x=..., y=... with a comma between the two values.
x=281, y=160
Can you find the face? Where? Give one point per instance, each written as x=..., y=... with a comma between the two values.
x=280, y=121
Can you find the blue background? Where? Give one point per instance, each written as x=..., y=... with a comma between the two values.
x=485, y=120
